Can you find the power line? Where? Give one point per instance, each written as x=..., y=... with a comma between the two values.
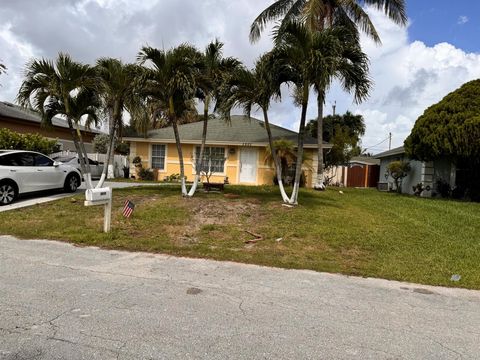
x=381, y=142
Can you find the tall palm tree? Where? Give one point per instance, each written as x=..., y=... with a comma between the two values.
x=171, y=83
x=351, y=70
x=215, y=72
x=318, y=15
x=322, y=14
x=313, y=58
x=116, y=87
x=64, y=87
x=258, y=87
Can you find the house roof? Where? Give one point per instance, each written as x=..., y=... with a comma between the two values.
x=239, y=130
x=20, y=113
x=367, y=160
x=397, y=151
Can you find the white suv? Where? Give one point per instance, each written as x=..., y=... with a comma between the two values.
x=28, y=171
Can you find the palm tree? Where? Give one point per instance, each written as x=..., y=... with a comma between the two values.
x=322, y=14
x=351, y=70
x=116, y=87
x=318, y=15
x=3, y=69
x=313, y=58
x=284, y=151
x=215, y=72
x=66, y=88
x=258, y=87
x=171, y=83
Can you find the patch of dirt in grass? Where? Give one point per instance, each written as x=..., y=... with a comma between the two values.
x=218, y=211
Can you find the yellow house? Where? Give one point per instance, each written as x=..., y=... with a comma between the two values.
x=237, y=149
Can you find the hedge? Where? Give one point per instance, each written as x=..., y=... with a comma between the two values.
x=11, y=140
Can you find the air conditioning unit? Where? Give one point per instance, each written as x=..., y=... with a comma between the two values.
x=100, y=194
x=383, y=186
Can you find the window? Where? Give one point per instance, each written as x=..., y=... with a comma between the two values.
x=158, y=157
x=17, y=159
x=213, y=159
x=41, y=160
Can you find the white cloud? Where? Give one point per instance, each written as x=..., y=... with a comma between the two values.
x=462, y=20
x=409, y=77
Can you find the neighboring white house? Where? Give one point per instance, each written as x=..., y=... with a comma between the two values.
x=427, y=173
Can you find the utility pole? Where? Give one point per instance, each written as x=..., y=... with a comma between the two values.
x=334, y=105
x=390, y=141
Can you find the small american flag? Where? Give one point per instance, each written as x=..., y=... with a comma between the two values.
x=128, y=208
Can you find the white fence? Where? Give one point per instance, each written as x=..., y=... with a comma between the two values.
x=119, y=161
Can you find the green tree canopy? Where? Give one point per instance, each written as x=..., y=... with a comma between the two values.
x=450, y=128
x=354, y=125
x=344, y=132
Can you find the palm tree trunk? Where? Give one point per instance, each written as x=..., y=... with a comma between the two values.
x=301, y=136
x=198, y=161
x=180, y=157
x=320, y=181
x=108, y=159
x=83, y=156
x=116, y=119
x=81, y=159
x=276, y=161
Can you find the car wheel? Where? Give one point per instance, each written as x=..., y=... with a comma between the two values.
x=72, y=182
x=8, y=192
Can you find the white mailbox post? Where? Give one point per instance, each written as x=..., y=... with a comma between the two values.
x=101, y=196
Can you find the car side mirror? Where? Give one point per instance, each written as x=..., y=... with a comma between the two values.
x=56, y=164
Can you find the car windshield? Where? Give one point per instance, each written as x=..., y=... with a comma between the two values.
x=64, y=159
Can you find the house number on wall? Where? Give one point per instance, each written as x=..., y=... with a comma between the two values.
x=246, y=144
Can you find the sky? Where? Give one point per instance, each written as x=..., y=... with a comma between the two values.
x=414, y=68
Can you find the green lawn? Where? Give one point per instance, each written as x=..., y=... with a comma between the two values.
x=362, y=232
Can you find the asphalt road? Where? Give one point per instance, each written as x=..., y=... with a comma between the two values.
x=58, y=301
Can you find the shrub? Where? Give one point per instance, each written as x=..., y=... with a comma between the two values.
x=443, y=188
x=137, y=161
x=418, y=189
x=11, y=140
x=145, y=174
x=122, y=148
x=100, y=143
x=398, y=170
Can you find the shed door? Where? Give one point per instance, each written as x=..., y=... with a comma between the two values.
x=248, y=165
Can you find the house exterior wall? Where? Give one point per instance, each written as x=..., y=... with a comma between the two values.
x=61, y=134
x=264, y=175
x=427, y=173
x=413, y=178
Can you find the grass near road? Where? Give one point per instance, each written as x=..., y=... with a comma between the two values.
x=362, y=232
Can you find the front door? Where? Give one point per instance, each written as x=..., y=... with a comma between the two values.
x=248, y=165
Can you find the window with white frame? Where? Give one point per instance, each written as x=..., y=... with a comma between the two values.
x=158, y=157
x=213, y=159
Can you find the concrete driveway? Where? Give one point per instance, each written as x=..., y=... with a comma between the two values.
x=64, y=302
x=29, y=200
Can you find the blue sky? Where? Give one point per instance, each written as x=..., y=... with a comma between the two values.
x=456, y=22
